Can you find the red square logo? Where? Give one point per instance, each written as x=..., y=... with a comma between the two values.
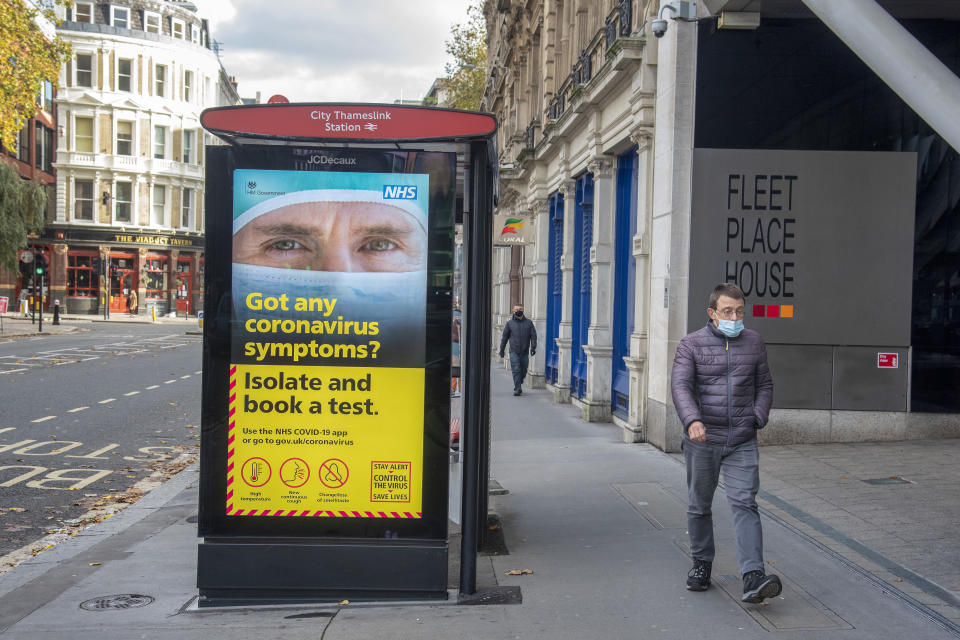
x=773, y=311
x=888, y=361
x=758, y=310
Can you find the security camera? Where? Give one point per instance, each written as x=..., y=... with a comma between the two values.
x=681, y=10
x=659, y=27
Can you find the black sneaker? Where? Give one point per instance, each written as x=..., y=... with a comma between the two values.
x=757, y=587
x=698, y=579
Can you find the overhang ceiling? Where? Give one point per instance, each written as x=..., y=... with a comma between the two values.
x=902, y=9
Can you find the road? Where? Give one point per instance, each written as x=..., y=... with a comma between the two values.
x=86, y=417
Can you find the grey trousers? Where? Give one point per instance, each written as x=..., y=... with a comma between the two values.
x=741, y=475
x=518, y=365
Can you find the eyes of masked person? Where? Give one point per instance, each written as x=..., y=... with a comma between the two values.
x=333, y=236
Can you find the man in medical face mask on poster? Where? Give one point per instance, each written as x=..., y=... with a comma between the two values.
x=348, y=244
x=722, y=390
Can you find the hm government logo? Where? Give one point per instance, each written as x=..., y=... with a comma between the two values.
x=399, y=192
x=251, y=186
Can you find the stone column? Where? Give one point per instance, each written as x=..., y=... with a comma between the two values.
x=70, y=200
x=501, y=299
x=58, y=276
x=561, y=391
x=595, y=406
x=670, y=227
x=142, y=281
x=636, y=361
x=538, y=258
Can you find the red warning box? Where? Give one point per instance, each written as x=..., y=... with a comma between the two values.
x=888, y=360
x=390, y=481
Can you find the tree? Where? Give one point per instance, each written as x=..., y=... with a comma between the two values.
x=467, y=74
x=22, y=204
x=27, y=58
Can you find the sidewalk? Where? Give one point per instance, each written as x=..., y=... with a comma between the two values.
x=600, y=523
x=16, y=326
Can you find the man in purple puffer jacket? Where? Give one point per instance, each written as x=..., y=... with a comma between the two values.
x=722, y=390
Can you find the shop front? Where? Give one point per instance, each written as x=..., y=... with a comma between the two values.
x=102, y=267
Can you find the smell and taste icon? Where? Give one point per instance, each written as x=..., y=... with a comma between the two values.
x=333, y=474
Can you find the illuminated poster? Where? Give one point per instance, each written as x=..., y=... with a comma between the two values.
x=327, y=369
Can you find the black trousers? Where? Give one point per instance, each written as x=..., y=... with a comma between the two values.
x=518, y=364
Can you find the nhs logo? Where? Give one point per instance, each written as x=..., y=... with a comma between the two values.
x=399, y=192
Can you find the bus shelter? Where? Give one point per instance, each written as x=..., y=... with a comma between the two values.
x=326, y=388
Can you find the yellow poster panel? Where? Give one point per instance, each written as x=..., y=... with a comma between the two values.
x=343, y=442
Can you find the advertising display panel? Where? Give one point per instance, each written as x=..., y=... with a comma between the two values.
x=327, y=373
x=340, y=262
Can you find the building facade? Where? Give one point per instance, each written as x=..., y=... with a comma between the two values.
x=753, y=143
x=130, y=157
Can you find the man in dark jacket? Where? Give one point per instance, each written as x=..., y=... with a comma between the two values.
x=722, y=390
x=522, y=335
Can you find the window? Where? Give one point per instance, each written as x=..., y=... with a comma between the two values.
x=45, y=99
x=124, y=138
x=159, y=142
x=83, y=135
x=151, y=22
x=81, y=276
x=194, y=34
x=123, y=201
x=187, y=85
x=83, y=200
x=178, y=27
x=83, y=12
x=124, y=73
x=160, y=80
x=159, y=205
x=84, y=70
x=120, y=17
x=186, y=211
x=43, y=141
x=156, y=280
x=23, y=144
x=187, y=145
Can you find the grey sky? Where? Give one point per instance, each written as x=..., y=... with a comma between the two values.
x=334, y=50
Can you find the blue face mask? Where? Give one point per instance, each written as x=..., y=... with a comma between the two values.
x=730, y=328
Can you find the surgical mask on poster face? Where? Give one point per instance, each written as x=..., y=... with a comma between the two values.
x=392, y=296
x=730, y=328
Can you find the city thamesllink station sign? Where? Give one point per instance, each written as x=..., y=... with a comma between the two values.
x=814, y=238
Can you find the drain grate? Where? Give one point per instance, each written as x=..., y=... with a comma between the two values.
x=890, y=480
x=121, y=601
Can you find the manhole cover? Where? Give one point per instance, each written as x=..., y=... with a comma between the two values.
x=122, y=601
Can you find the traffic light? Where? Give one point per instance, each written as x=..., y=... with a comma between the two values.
x=42, y=266
x=97, y=266
x=26, y=263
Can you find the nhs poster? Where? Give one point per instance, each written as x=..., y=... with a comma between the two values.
x=328, y=344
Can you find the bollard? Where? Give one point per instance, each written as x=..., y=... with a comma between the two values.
x=153, y=312
x=56, y=312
